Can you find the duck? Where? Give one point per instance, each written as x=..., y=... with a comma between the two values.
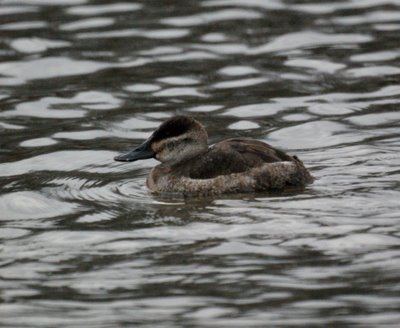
x=236, y=165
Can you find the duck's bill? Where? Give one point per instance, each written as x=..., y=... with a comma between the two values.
x=142, y=152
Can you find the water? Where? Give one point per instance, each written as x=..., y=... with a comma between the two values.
x=84, y=244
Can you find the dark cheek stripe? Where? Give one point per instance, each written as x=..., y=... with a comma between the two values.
x=172, y=128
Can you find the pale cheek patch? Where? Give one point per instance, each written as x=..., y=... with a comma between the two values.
x=157, y=146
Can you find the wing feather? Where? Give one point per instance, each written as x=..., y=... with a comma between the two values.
x=234, y=156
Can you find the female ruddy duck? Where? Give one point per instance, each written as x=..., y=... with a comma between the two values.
x=234, y=165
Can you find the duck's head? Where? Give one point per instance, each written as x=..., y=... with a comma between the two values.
x=175, y=140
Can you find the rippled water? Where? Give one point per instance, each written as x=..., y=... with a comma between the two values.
x=83, y=243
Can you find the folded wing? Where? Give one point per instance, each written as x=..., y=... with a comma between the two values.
x=235, y=156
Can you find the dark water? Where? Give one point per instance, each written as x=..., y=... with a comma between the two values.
x=83, y=244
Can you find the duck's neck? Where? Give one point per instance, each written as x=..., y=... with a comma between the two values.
x=187, y=155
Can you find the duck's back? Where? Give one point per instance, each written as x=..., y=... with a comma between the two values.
x=233, y=156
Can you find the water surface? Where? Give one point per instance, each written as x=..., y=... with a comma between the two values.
x=83, y=243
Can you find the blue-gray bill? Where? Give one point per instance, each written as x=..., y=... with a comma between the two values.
x=144, y=151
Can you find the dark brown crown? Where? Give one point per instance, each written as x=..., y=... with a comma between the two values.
x=173, y=127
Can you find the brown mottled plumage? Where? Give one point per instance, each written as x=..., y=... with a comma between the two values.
x=230, y=166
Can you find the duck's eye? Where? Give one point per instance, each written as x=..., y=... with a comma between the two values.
x=186, y=140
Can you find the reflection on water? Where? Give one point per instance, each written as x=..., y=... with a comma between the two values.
x=84, y=244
